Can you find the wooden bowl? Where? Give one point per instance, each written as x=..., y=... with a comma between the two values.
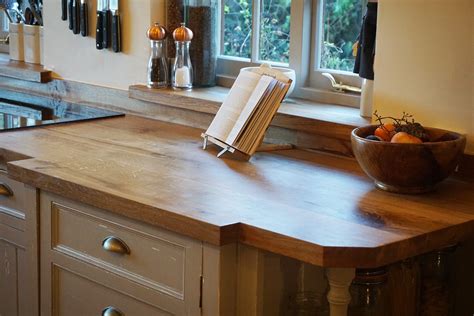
x=408, y=168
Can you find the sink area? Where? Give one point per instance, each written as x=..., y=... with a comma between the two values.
x=15, y=114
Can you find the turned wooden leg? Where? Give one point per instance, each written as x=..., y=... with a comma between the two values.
x=339, y=280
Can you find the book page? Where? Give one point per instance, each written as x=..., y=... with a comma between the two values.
x=233, y=105
x=249, y=108
x=256, y=127
x=271, y=111
x=246, y=141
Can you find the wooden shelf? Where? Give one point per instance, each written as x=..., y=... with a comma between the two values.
x=23, y=71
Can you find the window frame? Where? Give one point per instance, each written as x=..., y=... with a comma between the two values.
x=305, y=37
x=4, y=48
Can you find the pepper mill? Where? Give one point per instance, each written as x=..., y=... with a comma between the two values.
x=182, y=72
x=157, y=65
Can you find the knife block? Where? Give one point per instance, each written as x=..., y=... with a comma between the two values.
x=31, y=40
x=16, y=42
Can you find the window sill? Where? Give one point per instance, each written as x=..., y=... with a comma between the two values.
x=23, y=71
x=323, y=122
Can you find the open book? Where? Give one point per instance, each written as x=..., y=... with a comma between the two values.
x=248, y=109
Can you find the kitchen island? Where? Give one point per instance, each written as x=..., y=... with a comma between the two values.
x=313, y=207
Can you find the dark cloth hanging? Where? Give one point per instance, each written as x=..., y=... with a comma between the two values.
x=364, y=62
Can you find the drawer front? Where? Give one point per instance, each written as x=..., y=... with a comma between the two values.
x=78, y=295
x=12, y=198
x=157, y=259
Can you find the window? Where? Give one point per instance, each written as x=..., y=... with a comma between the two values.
x=268, y=41
x=310, y=36
x=3, y=32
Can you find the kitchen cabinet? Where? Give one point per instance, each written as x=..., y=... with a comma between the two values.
x=18, y=249
x=95, y=262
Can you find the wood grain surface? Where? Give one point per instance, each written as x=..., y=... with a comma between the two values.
x=318, y=208
x=23, y=71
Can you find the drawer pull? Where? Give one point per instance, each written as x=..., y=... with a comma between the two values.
x=112, y=311
x=5, y=190
x=114, y=244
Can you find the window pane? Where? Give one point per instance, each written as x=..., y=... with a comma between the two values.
x=275, y=30
x=237, y=28
x=341, y=27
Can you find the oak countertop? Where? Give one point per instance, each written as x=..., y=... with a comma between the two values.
x=314, y=207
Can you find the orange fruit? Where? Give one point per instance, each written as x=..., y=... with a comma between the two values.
x=402, y=137
x=385, y=132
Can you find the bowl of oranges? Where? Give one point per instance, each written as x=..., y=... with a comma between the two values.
x=402, y=156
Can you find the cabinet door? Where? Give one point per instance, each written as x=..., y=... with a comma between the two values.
x=18, y=250
x=8, y=278
x=15, y=275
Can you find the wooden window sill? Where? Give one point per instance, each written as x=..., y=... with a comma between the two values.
x=23, y=71
x=296, y=114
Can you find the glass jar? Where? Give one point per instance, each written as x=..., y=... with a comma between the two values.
x=182, y=71
x=202, y=17
x=369, y=293
x=158, y=73
x=174, y=18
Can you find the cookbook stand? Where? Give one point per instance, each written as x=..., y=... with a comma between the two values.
x=226, y=148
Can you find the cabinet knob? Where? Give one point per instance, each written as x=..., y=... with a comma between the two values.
x=116, y=245
x=112, y=311
x=5, y=190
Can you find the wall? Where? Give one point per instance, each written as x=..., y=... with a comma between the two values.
x=425, y=62
x=73, y=57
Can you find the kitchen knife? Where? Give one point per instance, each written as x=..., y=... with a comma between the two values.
x=106, y=24
x=36, y=12
x=76, y=16
x=99, y=36
x=71, y=14
x=64, y=10
x=84, y=18
x=116, y=27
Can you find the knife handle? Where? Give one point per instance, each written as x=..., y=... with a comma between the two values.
x=77, y=17
x=99, y=35
x=106, y=29
x=84, y=20
x=71, y=14
x=116, y=33
x=64, y=10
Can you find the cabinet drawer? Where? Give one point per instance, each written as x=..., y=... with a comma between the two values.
x=78, y=295
x=152, y=257
x=12, y=199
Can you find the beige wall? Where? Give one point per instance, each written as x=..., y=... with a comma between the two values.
x=425, y=62
x=74, y=57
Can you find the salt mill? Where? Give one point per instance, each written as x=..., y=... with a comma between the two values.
x=158, y=74
x=182, y=72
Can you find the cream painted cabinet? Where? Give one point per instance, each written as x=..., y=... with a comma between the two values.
x=95, y=262
x=18, y=249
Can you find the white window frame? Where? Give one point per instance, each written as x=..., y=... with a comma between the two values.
x=305, y=36
x=3, y=31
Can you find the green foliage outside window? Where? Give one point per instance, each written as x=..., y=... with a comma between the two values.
x=342, y=22
x=341, y=26
x=274, y=29
x=238, y=28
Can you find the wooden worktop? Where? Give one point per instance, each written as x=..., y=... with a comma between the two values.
x=314, y=207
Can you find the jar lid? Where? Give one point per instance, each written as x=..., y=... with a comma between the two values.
x=157, y=32
x=183, y=34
